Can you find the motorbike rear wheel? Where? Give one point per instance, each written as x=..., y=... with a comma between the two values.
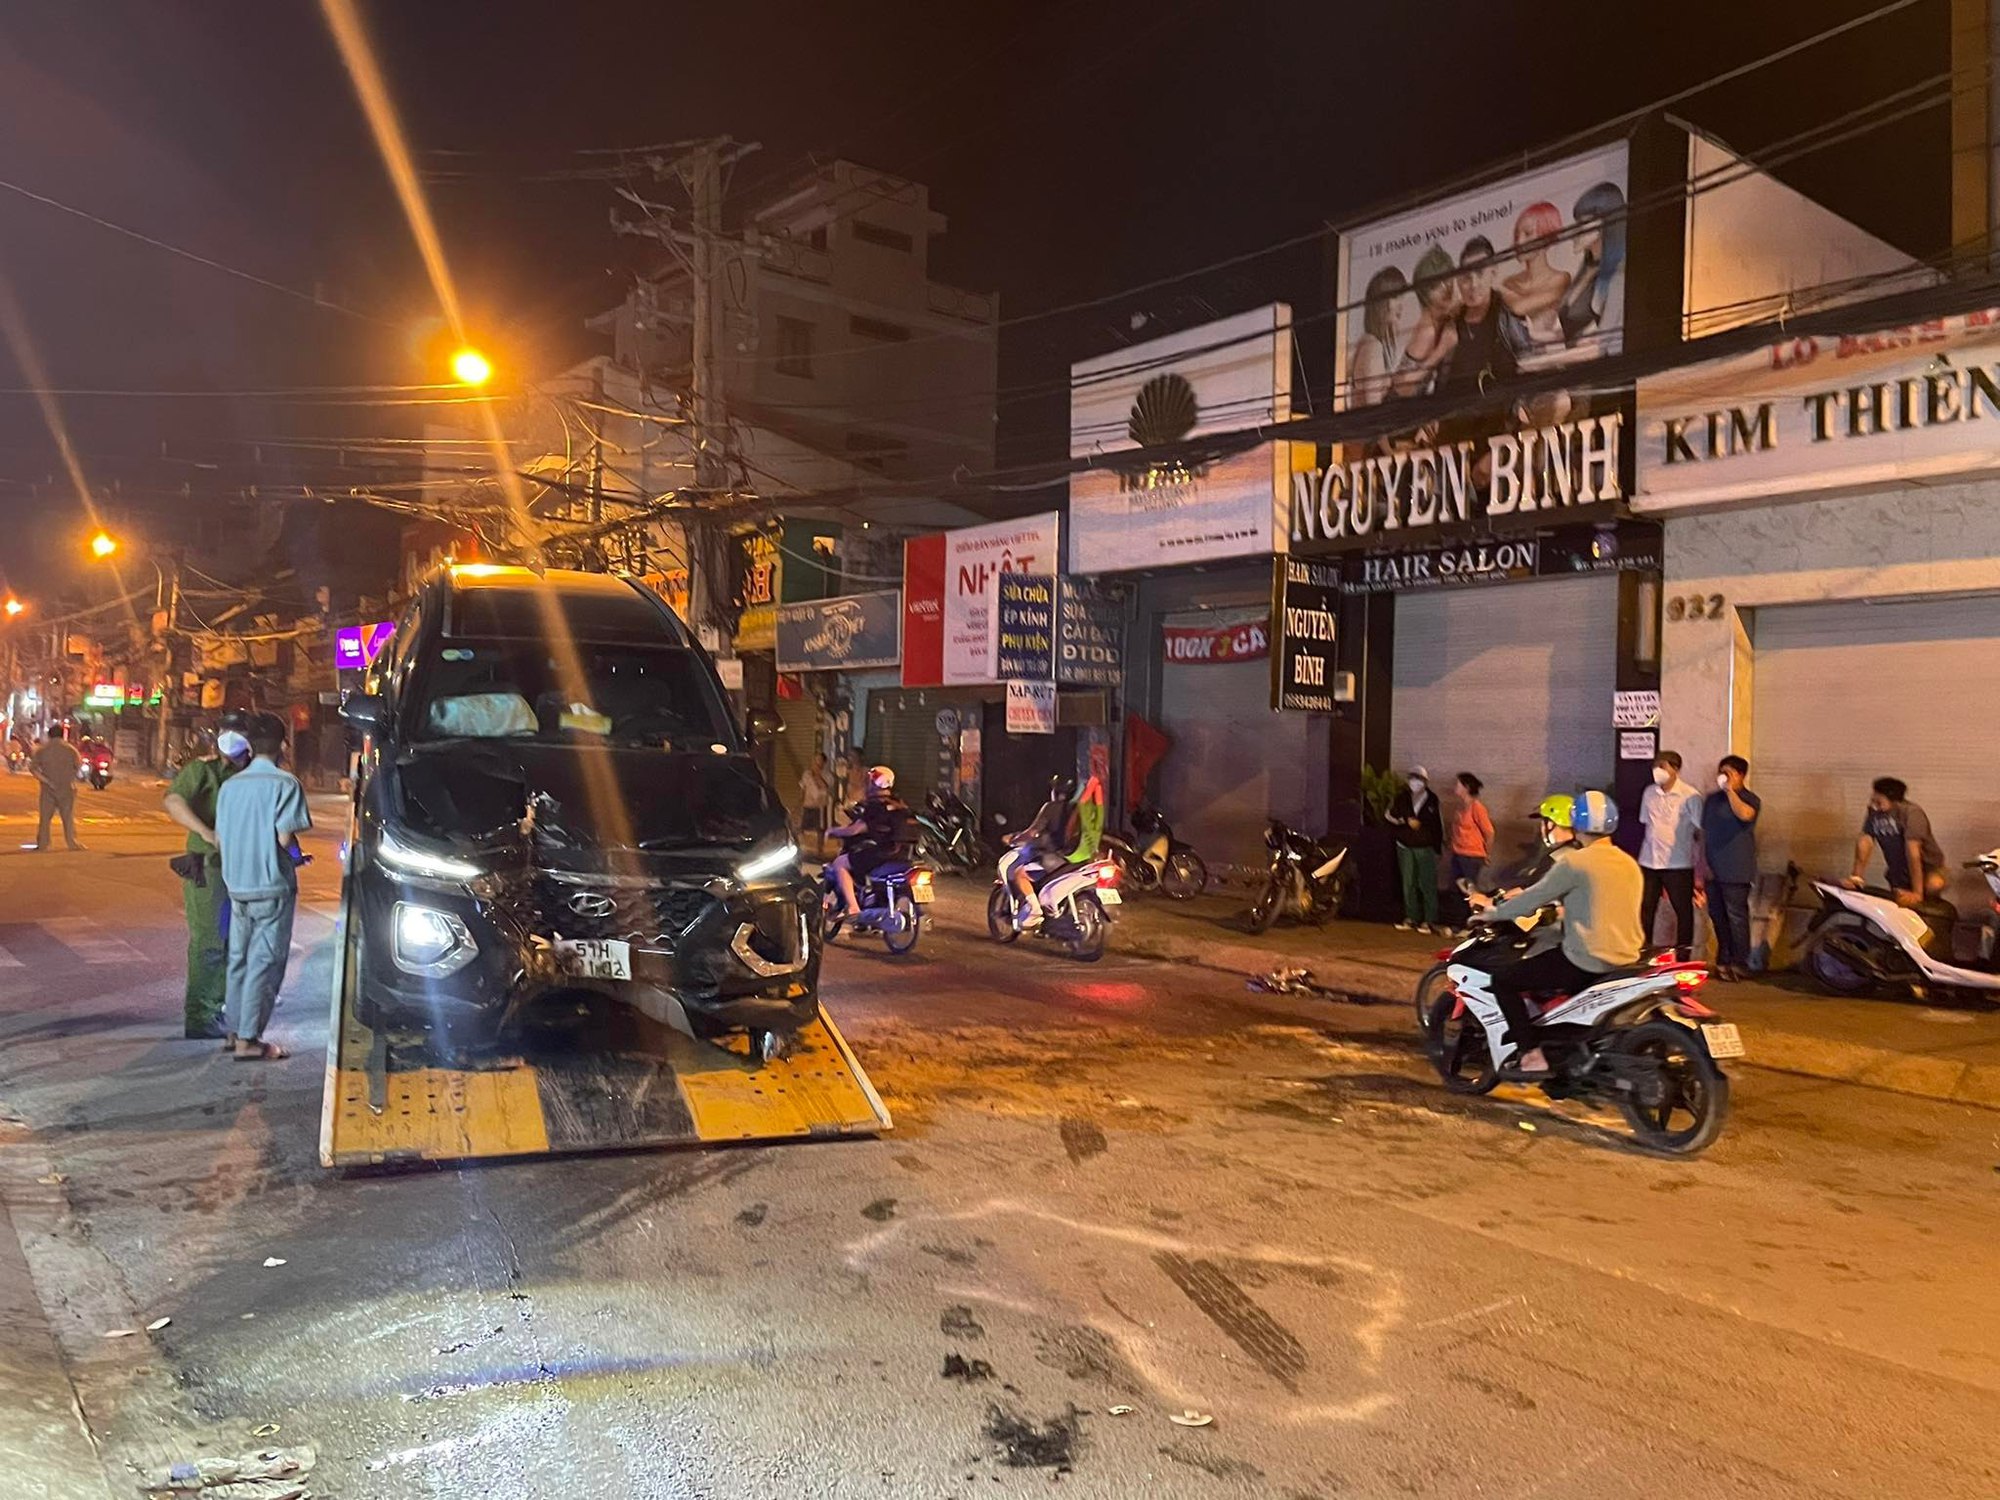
x=1829, y=969
x=905, y=924
x=1459, y=1050
x=1185, y=875
x=1684, y=1115
x=1000, y=915
x=1265, y=911
x=1093, y=929
x=1429, y=988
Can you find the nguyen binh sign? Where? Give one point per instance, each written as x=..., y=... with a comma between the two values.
x=1305, y=603
x=1835, y=412
x=974, y=559
x=1220, y=377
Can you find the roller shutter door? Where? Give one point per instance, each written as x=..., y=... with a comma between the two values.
x=1844, y=693
x=1512, y=683
x=793, y=749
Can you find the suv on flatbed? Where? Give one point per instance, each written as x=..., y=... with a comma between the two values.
x=554, y=798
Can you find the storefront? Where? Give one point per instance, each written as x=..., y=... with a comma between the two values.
x=1832, y=596
x=821, y=647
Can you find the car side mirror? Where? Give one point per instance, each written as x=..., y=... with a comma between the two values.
x=763, y=725
x=367, y=712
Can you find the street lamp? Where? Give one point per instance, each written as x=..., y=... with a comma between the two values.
x=470, y=367
x=103, y=544
x=14, y=607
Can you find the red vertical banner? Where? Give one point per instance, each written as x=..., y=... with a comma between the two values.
x=923, y=610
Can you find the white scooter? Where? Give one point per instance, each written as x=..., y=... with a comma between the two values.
x=1862, y=940
x=1073, y=905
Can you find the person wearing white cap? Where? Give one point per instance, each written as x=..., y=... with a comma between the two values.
x=1419, y=831
x=190, y=802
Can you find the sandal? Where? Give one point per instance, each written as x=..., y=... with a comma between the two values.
x=266, y=1052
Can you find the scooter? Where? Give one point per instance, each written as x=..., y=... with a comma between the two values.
x=1074, y=902
x=1862, y=940
x=1307, y=876
x=1638, y=1037
x=948, y=834
x=97, y=770
x=1154, y=860
x=893, y=897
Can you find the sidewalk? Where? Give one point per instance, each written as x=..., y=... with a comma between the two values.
x=1789, y=1027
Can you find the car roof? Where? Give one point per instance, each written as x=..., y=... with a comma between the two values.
x=597, y=606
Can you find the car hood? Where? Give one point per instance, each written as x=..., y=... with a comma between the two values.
x=587, y=797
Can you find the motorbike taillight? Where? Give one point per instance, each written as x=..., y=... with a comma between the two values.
x=1107, y=873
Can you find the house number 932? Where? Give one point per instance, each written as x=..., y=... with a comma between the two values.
x=1695, y=607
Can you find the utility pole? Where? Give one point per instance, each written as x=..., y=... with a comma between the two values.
x=1975, y=133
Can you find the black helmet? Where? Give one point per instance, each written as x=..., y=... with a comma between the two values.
x=1062, y=787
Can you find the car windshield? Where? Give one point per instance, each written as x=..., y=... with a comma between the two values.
x=625, y=694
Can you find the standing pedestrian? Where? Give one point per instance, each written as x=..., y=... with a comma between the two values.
x=815, y=792
x=56, y=766
x=259, y=814
x=1729, y=848
x=1471, y=829
x=1671, y=811
x=1419, y=838
x=190, y=802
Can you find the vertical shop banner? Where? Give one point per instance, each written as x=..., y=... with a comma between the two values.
x=1031, y=708
x=757, y=573
x=974, y=559
x=923, y=611
x=1090, y=634
x=1219, y=377
x=835, y=635
x=1305, y=602
x=1024, y=643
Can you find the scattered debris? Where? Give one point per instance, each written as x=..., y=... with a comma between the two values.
x=1028, y=1444
x=268, y=1429
x=1289, y=979
x=268, y=1474
x=958, y=1322
x=271, y=1261
x=120, y=1333
x=1190, y=1418
x=882, y=1210
x=752, y=1216
x=958, y=1367
x=157, y=1324
x=53, y=1179
x=1082, y=1139
x=1128, y=1102
x=248, y=1316
x=1119, y=1411
x=1528, y=1125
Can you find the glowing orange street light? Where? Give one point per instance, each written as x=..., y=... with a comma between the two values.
x=470, y=367
x=103, y=544
x=13, y=607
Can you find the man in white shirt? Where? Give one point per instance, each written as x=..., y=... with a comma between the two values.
x=1671, y=813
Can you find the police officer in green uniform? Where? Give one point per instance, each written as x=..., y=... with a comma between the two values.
x=190, y=802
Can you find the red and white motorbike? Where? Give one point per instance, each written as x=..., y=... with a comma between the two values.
x=1862, y=940
x=1637, y=1038
x=1074, y=905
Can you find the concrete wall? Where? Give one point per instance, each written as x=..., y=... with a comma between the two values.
x=1907, y=541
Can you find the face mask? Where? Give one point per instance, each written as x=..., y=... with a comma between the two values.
x=1723, y=781
x=1661, y=776
x=1416, y=786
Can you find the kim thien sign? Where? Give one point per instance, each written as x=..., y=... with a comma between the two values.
x=1305, y=596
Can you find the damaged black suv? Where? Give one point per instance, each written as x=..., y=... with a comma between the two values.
x=555, y=798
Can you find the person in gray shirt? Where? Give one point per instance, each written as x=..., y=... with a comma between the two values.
x=259, y=814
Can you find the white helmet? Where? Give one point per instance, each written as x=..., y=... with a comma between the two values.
x=881, y=779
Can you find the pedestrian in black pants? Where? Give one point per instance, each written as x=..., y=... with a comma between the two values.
x=1671, y=812
x=1729, y=849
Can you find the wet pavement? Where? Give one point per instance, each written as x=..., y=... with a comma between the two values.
x=1124, y=1185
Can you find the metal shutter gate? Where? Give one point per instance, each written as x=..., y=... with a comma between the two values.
x=1511, y=682
x=1844, y=693
x=902, y=734
x=793, y=749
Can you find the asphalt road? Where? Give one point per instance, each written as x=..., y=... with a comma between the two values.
x=1126, y=1185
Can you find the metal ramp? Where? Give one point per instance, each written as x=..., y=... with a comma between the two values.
x=389, y=1099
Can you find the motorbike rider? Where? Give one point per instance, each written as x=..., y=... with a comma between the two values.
x=1068, y=830
x=879, y=829
x=1599, y=886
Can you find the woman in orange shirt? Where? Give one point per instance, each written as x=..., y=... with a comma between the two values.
x=1471, y=830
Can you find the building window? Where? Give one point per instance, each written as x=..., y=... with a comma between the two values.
x=875, y=328
x=795, y=348
x=877, y=234
x=875, y=450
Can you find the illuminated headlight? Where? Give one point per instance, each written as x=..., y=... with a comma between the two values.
x=407, y=859
x=768, y=863
x=429, y=941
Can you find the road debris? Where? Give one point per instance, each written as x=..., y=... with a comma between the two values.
x=268, y=1429
x=157, y=1324
x=1290, y=979
x=1528, y=1125
x=958, y=1367
x=1119, y=1411
x=120, y=1333
x=53, y=1179
x=267, y=1474
x=1190, y=1418
x=1028, y=1444
x=958, y=1322
x=271, y=1261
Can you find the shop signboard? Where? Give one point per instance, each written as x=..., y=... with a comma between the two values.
x=1819, y=414
x=1031, y=708
x=974, y=559
x=1617, y=546
x=756, y=569
x=852, y=632
x=923, y=611
x=355, y=647
x=1305, y=605
x=1090, y=634
x=1219, y=377
x=1214, y=643
x=1024, y=645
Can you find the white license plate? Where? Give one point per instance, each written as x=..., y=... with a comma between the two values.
x=595, y=958
x=1723, y=1039
x=1108, y=896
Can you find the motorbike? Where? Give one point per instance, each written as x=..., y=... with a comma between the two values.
x=893, y=896
x=1075, y=903
x=97, y=769
x=1154, y=860
x=1638, y=1038
x=1307, y=876
x=1862, y=940
x=948, y=834
x=17, y=757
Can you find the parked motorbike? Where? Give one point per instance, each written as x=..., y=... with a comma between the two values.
x=948, y=834
x=1861, y=940
x=1075, y=904
x=1307, y=877
x=1154, y=860
x=893, y=897
x=1637, y=1038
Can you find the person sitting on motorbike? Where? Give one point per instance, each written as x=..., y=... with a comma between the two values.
x=1055, y=829
x=877, y=834
x=1598, y=886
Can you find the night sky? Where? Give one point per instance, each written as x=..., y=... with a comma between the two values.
x=1077, y=150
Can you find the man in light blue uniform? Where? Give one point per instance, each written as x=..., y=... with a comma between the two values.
x=259, y=814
